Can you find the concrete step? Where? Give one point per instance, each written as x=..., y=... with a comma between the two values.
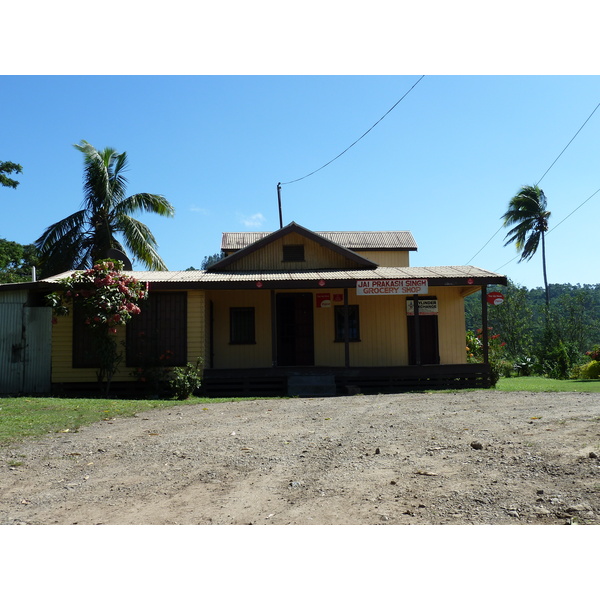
x=311, y=385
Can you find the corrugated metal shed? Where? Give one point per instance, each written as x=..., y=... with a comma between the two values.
x=10, y=297
x=352, y=240
x=25, y=345
x=11, y=369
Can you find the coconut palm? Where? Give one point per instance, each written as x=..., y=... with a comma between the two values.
x=81, y=239
x=527, y=211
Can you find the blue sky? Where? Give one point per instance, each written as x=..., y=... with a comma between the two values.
x=443, y=164
x=217, y=103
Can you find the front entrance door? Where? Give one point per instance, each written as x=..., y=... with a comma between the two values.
x=428, y=329
x=295, y=335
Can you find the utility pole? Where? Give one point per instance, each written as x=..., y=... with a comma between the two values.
x=279, y=201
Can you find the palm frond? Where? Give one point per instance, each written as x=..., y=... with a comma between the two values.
x=118, y=181
x=529, y=248
x=140, y=242
x=65, y=253
x=67, y=227
x=96, y=180
x=150, y=203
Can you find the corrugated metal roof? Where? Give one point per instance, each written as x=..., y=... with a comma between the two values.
x=183, y=277
x=353, y=240
x=365, y=240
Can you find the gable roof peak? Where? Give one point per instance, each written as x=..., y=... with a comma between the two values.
x=293, y=227
x=351, y=240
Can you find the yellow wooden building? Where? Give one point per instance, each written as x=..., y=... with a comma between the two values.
x=294, y=312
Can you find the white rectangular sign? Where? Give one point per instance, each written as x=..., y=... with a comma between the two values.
x=428, y=306
x=400, y=287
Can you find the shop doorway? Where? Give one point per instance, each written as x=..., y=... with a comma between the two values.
x=295, y=331
x=428, y=341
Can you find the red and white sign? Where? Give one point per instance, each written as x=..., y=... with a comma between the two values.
x=495, y=298
x=323, y=300
x=385, y=287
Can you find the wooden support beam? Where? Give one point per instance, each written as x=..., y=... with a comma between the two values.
x=484, y=326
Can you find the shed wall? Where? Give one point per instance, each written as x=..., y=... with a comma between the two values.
x=37, y=349
x=387, y=258
x=11, y=368
x=25, y=345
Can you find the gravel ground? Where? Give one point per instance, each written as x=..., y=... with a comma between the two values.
x=483, y=457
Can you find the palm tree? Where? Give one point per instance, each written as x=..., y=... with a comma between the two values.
x=527, y=211
x=81, y=239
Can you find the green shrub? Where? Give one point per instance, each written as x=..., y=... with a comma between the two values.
x=557, y=360
x=590, y=371
x=184, y=381
x=506, y=368
x=524, y=366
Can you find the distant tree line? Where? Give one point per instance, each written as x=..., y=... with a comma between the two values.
x=208, y=261
x=17, y=261
x=547, y=339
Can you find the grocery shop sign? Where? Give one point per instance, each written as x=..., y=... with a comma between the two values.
x=386, y=287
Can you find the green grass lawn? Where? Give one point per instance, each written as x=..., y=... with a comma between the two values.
x=34, y=417
x=542, y=384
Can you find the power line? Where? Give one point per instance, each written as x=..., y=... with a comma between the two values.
x=506, y=263
x=474, y=255
x=358, y=140
x=542, y=177
x=598, y=190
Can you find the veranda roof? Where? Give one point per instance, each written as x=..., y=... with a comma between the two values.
x=437, y=276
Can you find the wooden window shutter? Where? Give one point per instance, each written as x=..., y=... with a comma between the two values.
x=158, y=335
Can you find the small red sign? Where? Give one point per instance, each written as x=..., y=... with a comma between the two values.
x=323, y=300
x=495, y=298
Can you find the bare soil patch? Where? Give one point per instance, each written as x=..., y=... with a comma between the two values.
x=483, y=457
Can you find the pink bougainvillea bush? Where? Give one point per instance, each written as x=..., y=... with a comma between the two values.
x=108, y=299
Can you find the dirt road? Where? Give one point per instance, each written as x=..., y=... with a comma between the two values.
x=483, y=457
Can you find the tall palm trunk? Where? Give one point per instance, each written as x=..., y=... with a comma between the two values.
x=544, y=268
